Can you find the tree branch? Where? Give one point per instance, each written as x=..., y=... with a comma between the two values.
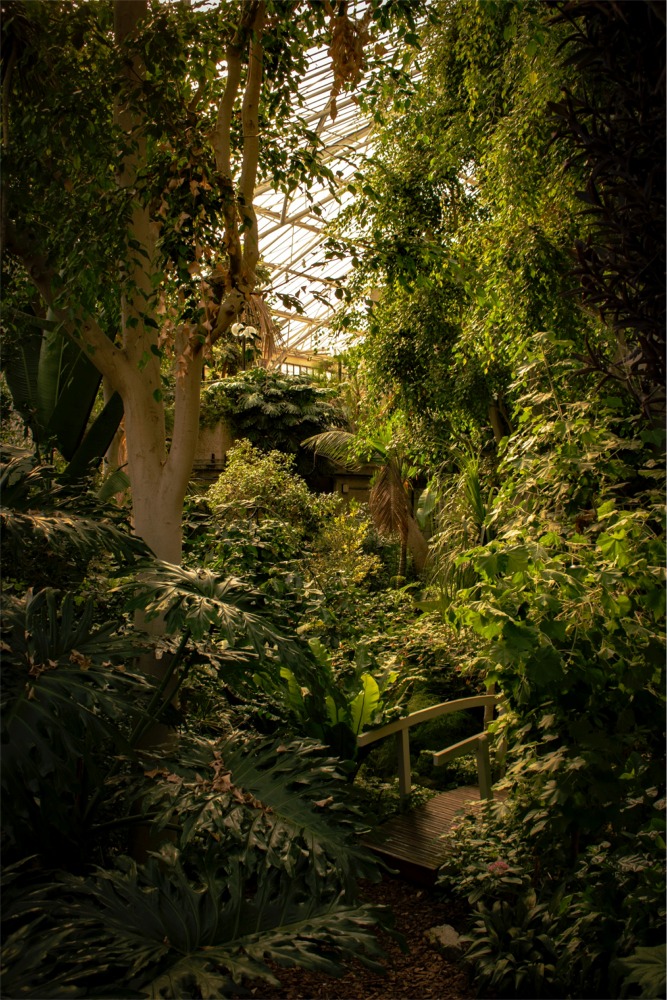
x=186, y=414
x=221, y=141
x=242, y=261
x=86, y=333
x=250, y=117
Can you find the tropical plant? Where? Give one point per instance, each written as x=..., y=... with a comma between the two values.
x=544, y=929
x=345, y=550
x=157, y=932
x=567, y=603
x=260, y=485
x=54, y=527
x=249, y=880
x=458, y=504
x=264, y=857
x=271, y=409
x=462, y=225
x=68, y=690
x=54, y=387
x=646, y=968
x=389, y=501
x=611, y=114
x=136, y=217
x=351, y=697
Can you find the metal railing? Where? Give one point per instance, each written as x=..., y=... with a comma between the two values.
x=479, y=743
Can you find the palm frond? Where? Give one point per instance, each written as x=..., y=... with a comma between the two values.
x=388, y=503
x=337, y=446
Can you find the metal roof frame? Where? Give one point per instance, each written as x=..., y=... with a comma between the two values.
x=291, y=232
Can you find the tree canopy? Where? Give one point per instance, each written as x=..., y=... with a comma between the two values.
x=135, y=134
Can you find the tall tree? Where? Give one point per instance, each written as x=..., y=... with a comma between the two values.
x=135, y=134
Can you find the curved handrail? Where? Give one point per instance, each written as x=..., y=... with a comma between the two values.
x=401, y=729
x=424, y=715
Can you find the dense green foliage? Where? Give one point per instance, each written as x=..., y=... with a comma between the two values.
x=260, y=857
x=465, y=225
x=613, y=117
x=181, y=867
x=317, y=564
x=271, y=409
x=548, y=538
x=261, y=485
x=568, y=604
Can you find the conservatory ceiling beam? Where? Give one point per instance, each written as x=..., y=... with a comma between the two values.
x=294, y=260
x=322, y=117
x=293, y=344
x=272, y=214
x=329, y=152
x=297, y=318
x=295, y=220
x=303, y=274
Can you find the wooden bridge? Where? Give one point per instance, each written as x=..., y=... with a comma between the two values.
x=411, y=842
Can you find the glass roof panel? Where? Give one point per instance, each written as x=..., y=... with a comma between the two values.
x=291, y=232
x=292, y=227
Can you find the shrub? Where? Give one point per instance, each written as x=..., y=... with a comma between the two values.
x=258, y=485
x=567, y=604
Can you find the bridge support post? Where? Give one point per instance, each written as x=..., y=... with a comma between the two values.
x=403, y=751
x=484, y=768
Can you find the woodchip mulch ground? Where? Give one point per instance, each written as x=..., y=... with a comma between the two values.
x=420, y=974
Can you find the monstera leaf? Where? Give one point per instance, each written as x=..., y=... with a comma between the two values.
x=274, y=807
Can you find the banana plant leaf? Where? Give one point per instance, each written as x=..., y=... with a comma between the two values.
x=97, y=439
x=54, y=386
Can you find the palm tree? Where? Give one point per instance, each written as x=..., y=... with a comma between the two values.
x=389, y=500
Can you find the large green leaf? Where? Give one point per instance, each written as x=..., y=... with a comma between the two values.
x=97, y=439
x=647, y=969
x=21, y=368
x=273, y=807
x=67, y=693
x=157, y=932
x=366, y=703
x=54, y=386
x=337, y=446
x=198, y=600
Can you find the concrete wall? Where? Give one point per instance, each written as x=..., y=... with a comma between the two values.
x=212, y=447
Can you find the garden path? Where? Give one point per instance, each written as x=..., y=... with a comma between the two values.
x=421, y=973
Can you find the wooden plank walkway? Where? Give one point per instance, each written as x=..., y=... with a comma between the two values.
x=411, y=843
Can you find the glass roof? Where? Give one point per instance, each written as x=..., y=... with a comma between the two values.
x=291, y=229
